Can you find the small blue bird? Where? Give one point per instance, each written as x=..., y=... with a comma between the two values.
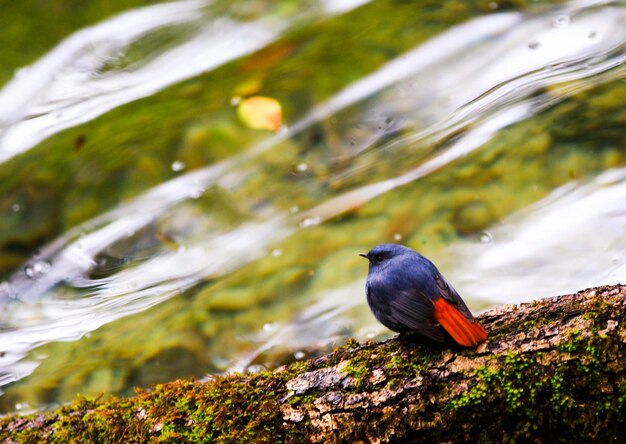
x=407, y=294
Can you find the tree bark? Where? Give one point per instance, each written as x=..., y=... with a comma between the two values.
x=551, y=370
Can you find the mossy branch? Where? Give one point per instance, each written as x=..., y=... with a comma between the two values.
x=554, y=369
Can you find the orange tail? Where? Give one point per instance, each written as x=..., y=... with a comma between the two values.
x=465, y=332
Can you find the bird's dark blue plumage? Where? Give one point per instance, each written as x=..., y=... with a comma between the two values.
x=406, y=293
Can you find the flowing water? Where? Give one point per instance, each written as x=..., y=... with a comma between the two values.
x=149, y=235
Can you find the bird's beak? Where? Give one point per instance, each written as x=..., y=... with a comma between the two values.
x=364, y=255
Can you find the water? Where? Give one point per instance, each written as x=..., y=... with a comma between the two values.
x=148, y=235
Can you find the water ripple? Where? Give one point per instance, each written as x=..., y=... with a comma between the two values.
x=72, y=84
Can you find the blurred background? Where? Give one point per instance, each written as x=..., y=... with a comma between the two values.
x=185, y=186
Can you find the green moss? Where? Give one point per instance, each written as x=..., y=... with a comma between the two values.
x=597, y=309
x=359, y=370
x=509, y=381
x=534, y=399
x=398, y=359
x=227, y=409
x=302, y=399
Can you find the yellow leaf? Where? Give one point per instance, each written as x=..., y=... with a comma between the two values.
x=260, y=113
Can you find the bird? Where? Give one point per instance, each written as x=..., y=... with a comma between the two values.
x=407, y=294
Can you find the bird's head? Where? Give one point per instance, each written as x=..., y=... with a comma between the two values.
x=384, y=253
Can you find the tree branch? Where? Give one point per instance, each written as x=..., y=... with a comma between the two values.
x=551, y=370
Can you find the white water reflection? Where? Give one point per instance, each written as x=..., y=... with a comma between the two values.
x=572, y=240
x=473, y=80
x=72, y=85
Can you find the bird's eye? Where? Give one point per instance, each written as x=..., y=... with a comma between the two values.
x=379, y=258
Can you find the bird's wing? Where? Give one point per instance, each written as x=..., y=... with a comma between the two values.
x=414, y=311
x=447, y=292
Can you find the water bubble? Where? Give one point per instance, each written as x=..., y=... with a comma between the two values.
x=268, y=326
x=277, y=252
x=20, y=406
x=302, y=167
x=561, y=21
x=310, y=221
x=177, y=165
x=397, y=237
x=299, y=355
x=294, y=209
x=37, y=269
x=485, y=237
x=15, y=207
x=235, y=101
x=534, y=45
